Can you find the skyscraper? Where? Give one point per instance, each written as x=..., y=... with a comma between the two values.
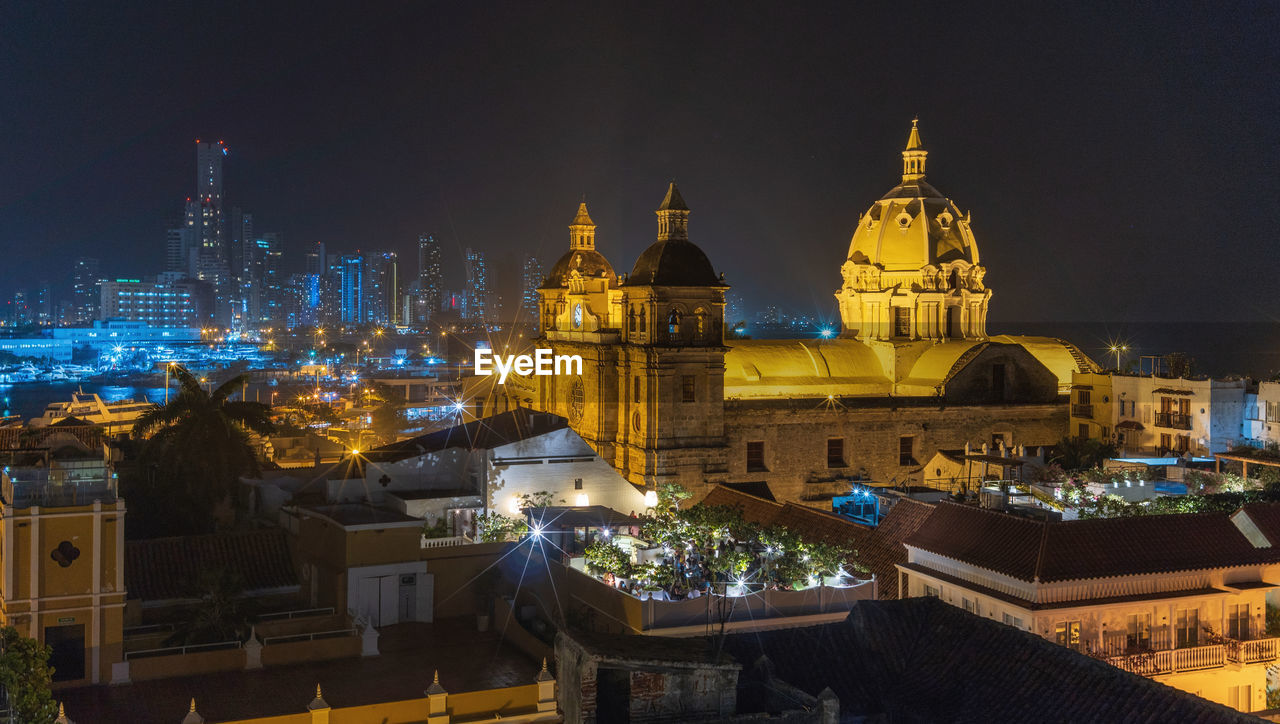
x=261, y=280
x=530, y=280
x=476, y=304
x=350, y=288
x=205, y=220
x=430, y=279
x=85, y=293
x=382, y=285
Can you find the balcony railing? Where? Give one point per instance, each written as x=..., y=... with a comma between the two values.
x=1173, y=420
x=1154, y=663
x=39, y=488
x=1078, y=410
x=1253, y=652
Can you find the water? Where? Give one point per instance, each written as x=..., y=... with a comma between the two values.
x=29, y=400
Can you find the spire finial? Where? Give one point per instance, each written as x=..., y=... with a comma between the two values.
x=193, y=705
x=913, y=157
x=318, y=691
x=62, y=712
x=435, y=677
x=544, y=663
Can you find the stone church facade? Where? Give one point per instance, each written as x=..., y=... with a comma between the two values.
x=665, y=398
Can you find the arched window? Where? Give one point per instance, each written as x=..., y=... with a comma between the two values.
x=955, y=279
x=644, y=329
x=631, y=320
x=700, y=317
x=673, y=322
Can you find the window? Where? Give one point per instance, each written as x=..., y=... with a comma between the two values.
x=1187, y=628
x=901, y=322
x=577, y=483
x=932, y=591
x=1238, y=621
x=1181, y=443
x=1011, y=620
x=906, y=445
x=631, y=320
x=1067, y=634
x=997, y=439
x=1138, y=631
x=835, y=452
x=755, y=457
x=969, y=605
x=673, y=323
x=1082, y=396
x=635, y=391
x=1082, y=431
x=687, y=389
x=1166, y=441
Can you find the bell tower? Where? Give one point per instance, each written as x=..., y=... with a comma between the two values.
x=671, y=366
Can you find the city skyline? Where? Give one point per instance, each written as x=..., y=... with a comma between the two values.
x=396, y=144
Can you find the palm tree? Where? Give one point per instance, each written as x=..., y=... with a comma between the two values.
x=196, y=447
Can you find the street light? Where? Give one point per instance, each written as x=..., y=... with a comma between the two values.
x=1118, y=348
x=167, y=368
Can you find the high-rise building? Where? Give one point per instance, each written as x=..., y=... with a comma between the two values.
x=382, y=285
x=179, y=245
x=85, y=294
x=206, y=222
x=261, y=280
x=476, y=305
x=530, y=280
x=350, y=288
x=430, y=280
x=314, y=260
x=160, y=303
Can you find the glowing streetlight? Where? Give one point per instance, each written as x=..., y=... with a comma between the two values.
x=1117, y=349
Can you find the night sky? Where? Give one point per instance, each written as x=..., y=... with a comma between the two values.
x=1120, y=163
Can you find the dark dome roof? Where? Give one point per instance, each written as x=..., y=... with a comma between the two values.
x=673, y=263
x=589, y=261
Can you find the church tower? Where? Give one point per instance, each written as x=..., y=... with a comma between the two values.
x=913, y=270
x=670, y=416
x=581, y=315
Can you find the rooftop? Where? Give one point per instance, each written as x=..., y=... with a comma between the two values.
x=486, y=433
x=159, y=569
x=466, y=660
x=917, y=660
x=1044, y=551
x=353, y=514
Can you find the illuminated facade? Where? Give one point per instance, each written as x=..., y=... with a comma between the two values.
x=667, y=398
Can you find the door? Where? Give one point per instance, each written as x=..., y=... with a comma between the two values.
x=67, y=656
x=408, y=597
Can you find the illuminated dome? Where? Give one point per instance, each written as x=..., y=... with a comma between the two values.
x=913, y=226
x=913, y=271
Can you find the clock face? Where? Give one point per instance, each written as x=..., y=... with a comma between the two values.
x=577, y=400
x=577, y=315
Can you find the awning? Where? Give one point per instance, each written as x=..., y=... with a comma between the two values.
x=1129, y=425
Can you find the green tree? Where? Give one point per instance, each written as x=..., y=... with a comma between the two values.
x=496, y=527
x=388, y=417
x=222, y=614
x=196, y=447
x=25, y=674
x=1074, y=453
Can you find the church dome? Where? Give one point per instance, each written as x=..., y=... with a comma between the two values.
x=582, y=256
x=913, y=226
x=588, y=262
x=673, y=260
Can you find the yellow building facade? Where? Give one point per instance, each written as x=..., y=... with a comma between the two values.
x=62, y=543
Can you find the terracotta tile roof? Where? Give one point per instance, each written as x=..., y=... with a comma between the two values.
x=1071, y=550
x=159, y=569
x=13, y=438
x=883, y=549
x=755, y=510
x=922, y=660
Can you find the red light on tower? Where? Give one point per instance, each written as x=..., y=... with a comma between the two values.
x=197, y=140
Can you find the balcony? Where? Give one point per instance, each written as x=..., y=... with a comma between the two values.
x=1078, y=410
x=1195, y=658
x=1173, y=420
x=1170, y=661
x=1253, y=652
x=27, y=487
